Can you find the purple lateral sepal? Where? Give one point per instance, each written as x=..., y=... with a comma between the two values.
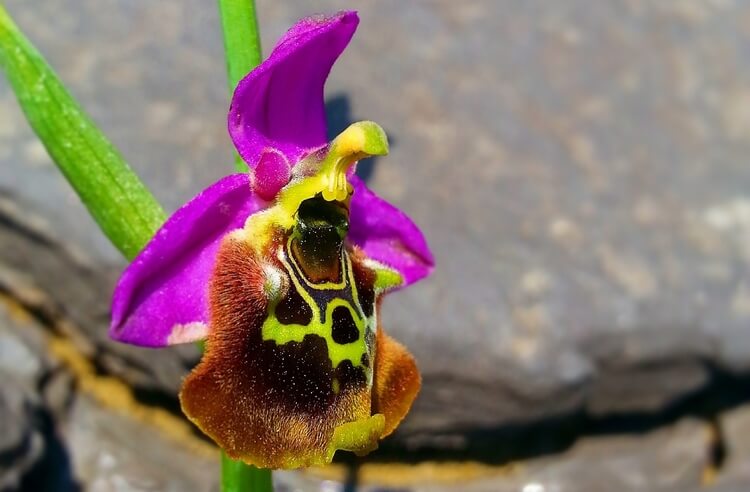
x=388, y=235
x=161, y=298
x=279, y=105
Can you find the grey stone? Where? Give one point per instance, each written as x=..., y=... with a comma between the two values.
x=51, y=437
x=35, y=390
x=58, y=392
x=71, y=292
x=580, y=173
x=17, y=357
x=670, y=459
x=23, y=366
x=21, y=443
x=112, y=452
x=735, y=474
x=724, y=487
x=666, y=460
x=578, y=167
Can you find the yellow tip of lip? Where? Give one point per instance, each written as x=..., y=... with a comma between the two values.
x=350, y=142
x=359, y=140
x=363, y=139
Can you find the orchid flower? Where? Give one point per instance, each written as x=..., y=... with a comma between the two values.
x=281, y=271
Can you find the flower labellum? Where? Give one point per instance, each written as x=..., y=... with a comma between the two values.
x=281, y=271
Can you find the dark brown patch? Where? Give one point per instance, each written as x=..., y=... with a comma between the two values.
x=344, y=329
x=267, y=404
x=297, y=373
x=349, y=376
x=365, y=280
x=293, y=309
x=365, y=360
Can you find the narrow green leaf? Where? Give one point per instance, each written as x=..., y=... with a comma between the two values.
x=241, y=45
x=119, y=202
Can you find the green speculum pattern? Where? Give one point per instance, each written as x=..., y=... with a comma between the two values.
x=323, y=298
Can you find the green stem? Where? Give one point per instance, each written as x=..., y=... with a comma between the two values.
x=241, y=44
x=241, y=38
x=239, y=477
x=243, y=53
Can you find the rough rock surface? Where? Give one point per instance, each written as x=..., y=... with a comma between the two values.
x=21, y=444
x=666, y=460
x=64, y=286
x=112, y=452
x=578, y=167
x=55, y=439
x=736, y=473
x=25, y=416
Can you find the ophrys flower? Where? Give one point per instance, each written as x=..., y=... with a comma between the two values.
x=281, y=271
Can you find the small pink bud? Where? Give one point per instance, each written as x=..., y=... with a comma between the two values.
x=271, y=174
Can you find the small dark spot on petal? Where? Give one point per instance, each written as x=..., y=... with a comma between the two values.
x=344, y=329
x=350, y=377
x=365, y=281
x=293, y=309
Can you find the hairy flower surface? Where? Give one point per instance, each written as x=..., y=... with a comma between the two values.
x=281, y=271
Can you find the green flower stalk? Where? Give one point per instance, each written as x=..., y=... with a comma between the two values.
x=243, y=53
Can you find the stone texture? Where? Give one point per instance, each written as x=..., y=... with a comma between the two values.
x=578, y=167
x=112, y=452
x=735, y=474
x=21, y=443
x=671, y=459
x=69, y=290
x=53, y=438
x=666, y=460
x=24, y=366
x=580, y=172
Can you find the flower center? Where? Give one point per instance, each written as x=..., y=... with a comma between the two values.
x=319, y=179
x=319, y=237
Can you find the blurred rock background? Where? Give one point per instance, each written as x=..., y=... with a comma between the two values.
x=579, y=168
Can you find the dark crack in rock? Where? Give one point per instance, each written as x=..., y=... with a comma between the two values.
x=735, y=432
x=52, y=438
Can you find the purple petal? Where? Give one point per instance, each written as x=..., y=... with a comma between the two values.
x=161, y=297
x=279, y=105
x=387, y=235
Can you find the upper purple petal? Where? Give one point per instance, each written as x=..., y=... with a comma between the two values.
x=161, y=298
x=387, y=234
x=279, y=105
